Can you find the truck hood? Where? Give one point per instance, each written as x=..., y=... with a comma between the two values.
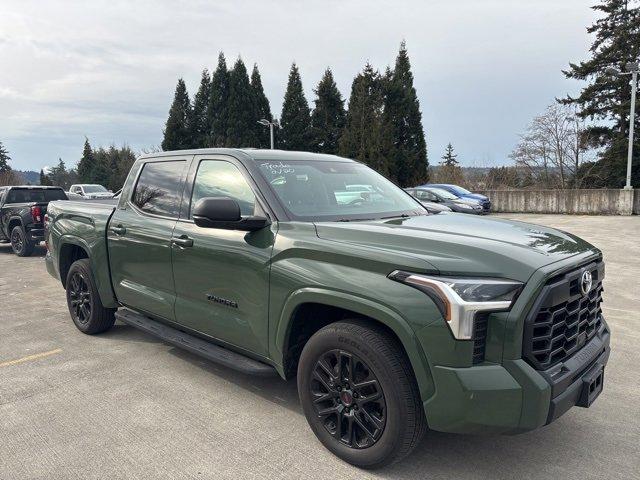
x=458, y=244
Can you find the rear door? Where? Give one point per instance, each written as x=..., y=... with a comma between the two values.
x=139, y=237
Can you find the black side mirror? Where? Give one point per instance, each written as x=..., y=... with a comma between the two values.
x=224, y=212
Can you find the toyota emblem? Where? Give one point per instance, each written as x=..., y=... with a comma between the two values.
x=586, y=282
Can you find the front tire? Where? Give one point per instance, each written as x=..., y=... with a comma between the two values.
x=359, y=394
x=86, y=309
x=20, y=242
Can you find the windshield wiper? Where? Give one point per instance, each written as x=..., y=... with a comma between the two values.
x=354, y=219
x=403, y=215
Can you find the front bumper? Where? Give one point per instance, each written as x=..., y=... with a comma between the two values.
x=512, y=397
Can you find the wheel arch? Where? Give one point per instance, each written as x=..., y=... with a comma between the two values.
x=300, y=319
x=13, y=222
x=70, y=251
x=72, y=248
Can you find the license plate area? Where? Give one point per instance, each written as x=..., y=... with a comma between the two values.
x=592, y=384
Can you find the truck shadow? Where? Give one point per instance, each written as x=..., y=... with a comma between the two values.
x=439, y=454
x=38, y=251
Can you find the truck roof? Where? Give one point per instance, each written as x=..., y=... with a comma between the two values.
x=256, y=154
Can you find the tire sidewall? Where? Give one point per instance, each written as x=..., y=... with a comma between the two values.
x=83, y=269
x=332, y=338
x=19, y=231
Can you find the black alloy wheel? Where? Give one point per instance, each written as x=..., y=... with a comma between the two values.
x=83, y=299
x=349, y=399
x=79, y=298
x=17, y=242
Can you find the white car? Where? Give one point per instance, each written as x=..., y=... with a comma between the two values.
x=89, y=190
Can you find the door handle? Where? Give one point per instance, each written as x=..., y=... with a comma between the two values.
x=182, y=241
x=119, y=230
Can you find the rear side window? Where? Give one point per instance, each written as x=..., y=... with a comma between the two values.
x=158, y=188
x=29, y=195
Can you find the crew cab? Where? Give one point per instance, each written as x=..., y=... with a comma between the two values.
x=316, y=267
x=22, y=211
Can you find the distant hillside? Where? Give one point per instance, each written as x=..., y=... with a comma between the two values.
x=29, y=176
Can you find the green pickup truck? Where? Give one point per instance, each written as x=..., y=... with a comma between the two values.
x=316, y=267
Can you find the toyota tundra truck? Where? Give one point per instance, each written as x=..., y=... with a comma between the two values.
x=392, y=320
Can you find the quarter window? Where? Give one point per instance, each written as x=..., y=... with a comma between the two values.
x=217, y=178
x=158, y=188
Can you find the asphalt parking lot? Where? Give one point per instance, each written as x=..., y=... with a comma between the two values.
x=125, y=405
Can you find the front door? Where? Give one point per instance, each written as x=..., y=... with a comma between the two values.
x=222, y=276
x=139, y=239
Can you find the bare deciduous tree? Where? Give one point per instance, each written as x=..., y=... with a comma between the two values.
x=9, y=177
x=551, y=149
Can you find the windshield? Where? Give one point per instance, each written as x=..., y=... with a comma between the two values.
x=94, y=189
x=312, y=190
x=443, y=193
x=459, y=190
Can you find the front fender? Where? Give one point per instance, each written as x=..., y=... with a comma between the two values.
x=362, y=306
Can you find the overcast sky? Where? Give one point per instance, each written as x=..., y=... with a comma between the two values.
x=107, y=69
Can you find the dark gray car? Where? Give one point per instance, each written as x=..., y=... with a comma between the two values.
x=447, y=199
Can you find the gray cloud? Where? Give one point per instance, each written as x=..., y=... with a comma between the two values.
x=107, y=69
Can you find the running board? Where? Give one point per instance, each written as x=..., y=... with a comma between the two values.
x=208, y=350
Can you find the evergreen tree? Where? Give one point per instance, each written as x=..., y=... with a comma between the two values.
x=403, y=136
x=362, y=134
x=58, y=175
x=44, y=180
x=177, y=133
x=101, y=172
x=4, y=159
x=295, y=122
x=86, y=163
x=608, y=97
x=242, y=114
x=217, y=113
x=263, y=110
x=328, y=117
x=199, y=124
x=449, y=159
x=126, y=158
x=449, y=170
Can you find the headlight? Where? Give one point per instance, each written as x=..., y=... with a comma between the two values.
x=466, y=206
x=459, y=299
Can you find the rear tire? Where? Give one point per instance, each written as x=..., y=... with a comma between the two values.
x=20, y=242
x=360, y=374
x=83, y=300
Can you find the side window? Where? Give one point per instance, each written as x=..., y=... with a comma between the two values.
x=428, y=196
x=217, y=178
x=158, y=188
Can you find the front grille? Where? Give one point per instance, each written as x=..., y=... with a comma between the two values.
x=563, y=319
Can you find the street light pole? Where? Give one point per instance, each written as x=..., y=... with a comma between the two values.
x=631, y=68
x=271, y=125
x=632, y=118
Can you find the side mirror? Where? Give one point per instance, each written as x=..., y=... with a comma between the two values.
x=224, y=212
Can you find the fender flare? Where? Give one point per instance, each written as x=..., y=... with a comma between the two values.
x=362, y=306
x=12, y=219
x=105, y=289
